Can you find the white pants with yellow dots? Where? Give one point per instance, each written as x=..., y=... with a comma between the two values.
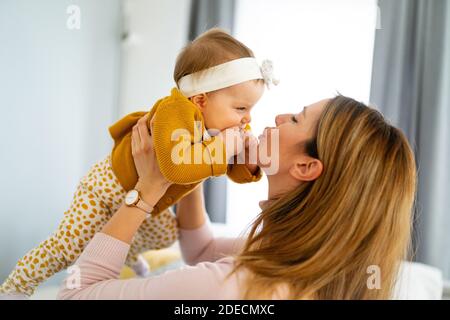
x=98, y=196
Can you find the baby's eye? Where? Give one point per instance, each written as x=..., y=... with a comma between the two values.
x=294, y=119
x=242, y=108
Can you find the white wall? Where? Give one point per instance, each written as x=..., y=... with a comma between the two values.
x=58, y=95
x=61, y=89
x=157, y=32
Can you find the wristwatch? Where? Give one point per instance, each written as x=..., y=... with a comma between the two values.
x=133, y=199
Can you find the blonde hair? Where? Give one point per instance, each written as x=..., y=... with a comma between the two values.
x=320, y=239
x=211, y=48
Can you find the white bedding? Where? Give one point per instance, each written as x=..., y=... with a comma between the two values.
x=419, y=282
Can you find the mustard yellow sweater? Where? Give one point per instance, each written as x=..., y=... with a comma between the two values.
x=171, y=113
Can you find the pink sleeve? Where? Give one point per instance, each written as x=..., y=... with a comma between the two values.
x=95, y=276
x=199, y=245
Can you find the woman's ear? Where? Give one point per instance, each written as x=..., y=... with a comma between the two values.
x=200, y=100
x=306, y=169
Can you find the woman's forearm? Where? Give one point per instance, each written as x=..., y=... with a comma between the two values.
x=127, y=220
x=191, y=210
x=124, y=223
x=197, y=241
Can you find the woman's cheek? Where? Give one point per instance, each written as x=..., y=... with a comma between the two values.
x=282, y=141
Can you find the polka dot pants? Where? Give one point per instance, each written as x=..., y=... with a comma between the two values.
x=97, y=197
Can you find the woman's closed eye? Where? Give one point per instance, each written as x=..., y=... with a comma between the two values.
x=241, y=108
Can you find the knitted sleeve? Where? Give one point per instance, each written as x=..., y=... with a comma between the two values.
x=183, y=156
x=239, y=173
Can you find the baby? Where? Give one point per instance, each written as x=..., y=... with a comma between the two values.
x=218, y=82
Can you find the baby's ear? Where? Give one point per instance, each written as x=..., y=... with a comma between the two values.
x=200, y=100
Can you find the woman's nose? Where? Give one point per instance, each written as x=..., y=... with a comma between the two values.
x=281, y=118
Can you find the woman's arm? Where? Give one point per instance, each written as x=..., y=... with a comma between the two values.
x=95, y=274
x=191, y=212
x=197, y=242
x=127, y=220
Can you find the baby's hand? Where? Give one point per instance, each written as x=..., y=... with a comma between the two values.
x=250, y=141
x=233, y=138
x=251, y=146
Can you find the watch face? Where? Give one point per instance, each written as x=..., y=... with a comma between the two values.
x=132, y=197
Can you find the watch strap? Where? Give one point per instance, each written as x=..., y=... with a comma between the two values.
x=141, y=204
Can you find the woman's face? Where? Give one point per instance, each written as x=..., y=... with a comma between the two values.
x=293, y=130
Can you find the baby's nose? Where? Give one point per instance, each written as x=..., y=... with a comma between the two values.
x=246, y=119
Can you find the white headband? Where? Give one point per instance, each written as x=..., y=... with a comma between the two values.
x=225, y=75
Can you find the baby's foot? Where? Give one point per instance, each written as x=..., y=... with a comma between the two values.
x=13, y=296
x=141, y=267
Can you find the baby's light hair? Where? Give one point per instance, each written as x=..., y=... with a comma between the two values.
x=210, y=49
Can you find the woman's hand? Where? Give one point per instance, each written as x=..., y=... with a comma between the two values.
x=151, y=183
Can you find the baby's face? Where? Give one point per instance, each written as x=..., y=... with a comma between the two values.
x=230, y=107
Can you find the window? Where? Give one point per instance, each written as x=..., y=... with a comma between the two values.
x=319, y=48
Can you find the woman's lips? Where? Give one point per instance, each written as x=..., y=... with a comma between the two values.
x=263, y=134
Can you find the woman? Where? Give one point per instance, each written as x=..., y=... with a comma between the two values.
x=339, y=205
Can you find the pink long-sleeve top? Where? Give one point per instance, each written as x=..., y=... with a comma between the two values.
x=205, y=276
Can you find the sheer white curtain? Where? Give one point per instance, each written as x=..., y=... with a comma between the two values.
x=319, y=48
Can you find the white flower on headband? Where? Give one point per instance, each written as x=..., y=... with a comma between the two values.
x=268, y=74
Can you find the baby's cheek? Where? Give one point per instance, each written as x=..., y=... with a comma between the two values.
x=228, y=121
x=237, y=120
